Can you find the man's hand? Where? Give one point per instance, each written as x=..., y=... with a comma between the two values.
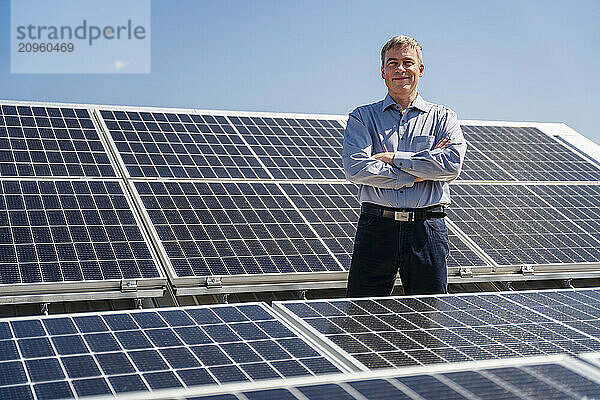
x=387, y=157
x=442, y=143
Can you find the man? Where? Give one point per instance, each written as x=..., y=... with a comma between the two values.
x=402, y=152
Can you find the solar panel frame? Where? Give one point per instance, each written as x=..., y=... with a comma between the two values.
x=224, y=283
x=86, y=289
x=411, y=335
x=417, y=383
x=76, y=148
x=67, y=349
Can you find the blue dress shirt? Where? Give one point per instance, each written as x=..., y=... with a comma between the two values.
x=412, y=135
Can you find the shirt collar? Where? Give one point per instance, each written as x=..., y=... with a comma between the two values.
x=418, y=102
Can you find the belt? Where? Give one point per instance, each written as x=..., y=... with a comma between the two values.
x=400, y=214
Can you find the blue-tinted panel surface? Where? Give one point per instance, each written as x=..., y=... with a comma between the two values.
x=57, y=231
x=295, y=148
x=514, y=226
x=522, y=153
x=180, y=146
x=232, y=228
x=49, y=141
x=147, y=350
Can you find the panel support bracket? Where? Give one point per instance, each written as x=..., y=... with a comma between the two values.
x=129, y=285
x=527, y=269
x=466, y=272
x=213, y=282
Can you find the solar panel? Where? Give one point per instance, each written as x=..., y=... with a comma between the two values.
x=178, y=145
x=514, y=226
x=523, y=154
x=333, y=211
x=231, y=228
x=64, y=356
x=50, y=142
x=54, y=231
x=540, y=378
x=400, y=331
x=295, y=148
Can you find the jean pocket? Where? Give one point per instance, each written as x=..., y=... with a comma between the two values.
x=366, y=220
x=421, y=143
x=437, y=224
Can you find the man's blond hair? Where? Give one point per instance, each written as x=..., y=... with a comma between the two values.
x=402, y=41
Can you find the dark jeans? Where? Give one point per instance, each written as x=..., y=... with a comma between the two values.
x=383, y=246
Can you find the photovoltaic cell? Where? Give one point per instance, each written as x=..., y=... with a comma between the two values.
x=151, y=349
x=533, y=381
x=514, y=226
x=50, y=142
x=232, y=228
x=523, y=154
x=171, y=145
x=333, y=211
x=295, y=148
x=399, y=331
x=58, y=231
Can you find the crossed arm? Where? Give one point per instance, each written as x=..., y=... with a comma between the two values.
x=402, y=169
x=388, y=156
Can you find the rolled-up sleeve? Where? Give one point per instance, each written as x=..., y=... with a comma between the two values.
x=359, y=165
x=442, y=164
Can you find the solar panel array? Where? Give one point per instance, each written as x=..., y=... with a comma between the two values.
x=217, y=241
x=542, y=380
x=115, y=352
x=200, y=180
x=401, y=331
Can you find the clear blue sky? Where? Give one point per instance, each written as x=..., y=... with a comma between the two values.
x=494, y=60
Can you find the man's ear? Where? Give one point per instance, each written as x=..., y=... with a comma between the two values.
x=382, y=72
x=421, y=69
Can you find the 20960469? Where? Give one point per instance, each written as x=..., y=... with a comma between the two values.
x=45, y=47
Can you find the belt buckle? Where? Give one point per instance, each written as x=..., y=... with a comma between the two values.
x=404, y=216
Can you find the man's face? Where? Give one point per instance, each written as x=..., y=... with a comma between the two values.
x=401, y=71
